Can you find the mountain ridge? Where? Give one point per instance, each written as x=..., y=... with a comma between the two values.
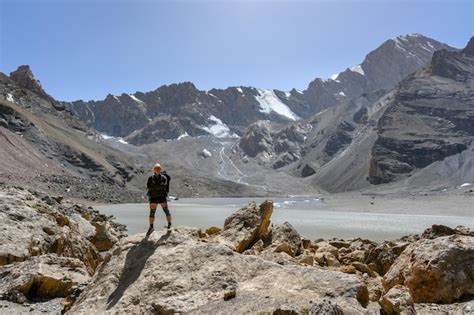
x=237, y=107
x=381, y=137
x=241, y=136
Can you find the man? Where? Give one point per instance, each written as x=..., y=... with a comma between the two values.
x=158, y=187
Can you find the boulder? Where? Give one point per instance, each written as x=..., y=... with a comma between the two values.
x=435, y=270
x=339, y=243
x=441, y=230
x=320, y=259
x=357, y=255
x=247, y=225
x=193, y=277
x=326, y=307
x=32, y=228
x=375, y=287
x=306, y=243
x=286, y=234
x=281, y=258
x=286, y=248
x=383, y=255
x=103, y=239
x=362, y=267
x=331, y=260
x=324, y=247
x=306, y=259
x=213, y=230
x=44, y=277
x=397, y=300
x=348, y=269
x=230, y=294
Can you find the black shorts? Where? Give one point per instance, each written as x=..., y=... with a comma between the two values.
x=161, y=199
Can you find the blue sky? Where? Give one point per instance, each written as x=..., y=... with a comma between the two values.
x=84, y=49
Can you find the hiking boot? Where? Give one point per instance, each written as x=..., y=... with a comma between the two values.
x=169, y=226
x=150, y=230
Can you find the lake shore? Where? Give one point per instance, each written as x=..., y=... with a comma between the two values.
x=334, y=216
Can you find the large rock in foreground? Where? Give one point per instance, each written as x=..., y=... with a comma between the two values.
x=44, y=277
x=247, y=225
x=178, y=272
x=286, y=237
x=32, y=227
x=47, y=251
x=436, y=270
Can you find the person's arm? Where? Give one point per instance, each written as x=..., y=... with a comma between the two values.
x=167, y=183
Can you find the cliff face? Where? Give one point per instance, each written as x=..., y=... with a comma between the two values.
x=430, y=118
x=24, y=77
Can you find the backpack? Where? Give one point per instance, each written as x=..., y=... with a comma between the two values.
x=159, y=185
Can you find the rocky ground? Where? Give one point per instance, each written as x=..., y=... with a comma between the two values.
x=49, y=250
x=57, y=255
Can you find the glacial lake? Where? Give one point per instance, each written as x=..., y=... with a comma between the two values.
x=307, y=215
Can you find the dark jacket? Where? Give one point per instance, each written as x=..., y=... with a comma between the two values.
x=158, y=185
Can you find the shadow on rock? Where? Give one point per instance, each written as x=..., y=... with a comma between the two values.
x=134, y=264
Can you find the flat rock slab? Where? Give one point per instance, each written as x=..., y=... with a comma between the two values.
x=178, y=272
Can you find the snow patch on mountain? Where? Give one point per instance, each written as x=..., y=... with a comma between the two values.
x=184, y=135
x=240, y=90
x=122, y=141
x=135, y=98
x=398, y=44
x=111, y=138
x=218, y=129
x=10, y=98
x=358, y=69
x=270, y=102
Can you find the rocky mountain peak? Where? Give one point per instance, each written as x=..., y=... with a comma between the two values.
x=469, y=49
x=382, y=69
x=456, y=65
x=398, y=57
x=24, y=77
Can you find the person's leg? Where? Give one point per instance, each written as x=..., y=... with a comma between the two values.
x=151, y=218
x=164, y=206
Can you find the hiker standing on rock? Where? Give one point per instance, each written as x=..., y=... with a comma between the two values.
x=158, y=187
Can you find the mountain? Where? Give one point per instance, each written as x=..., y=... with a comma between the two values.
x=382, y=68
x=352, y=132
x=181, y=109
x=44, y=145
x=382, y=137
x=24, y=77
x=430, y=118
x=177, y=110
